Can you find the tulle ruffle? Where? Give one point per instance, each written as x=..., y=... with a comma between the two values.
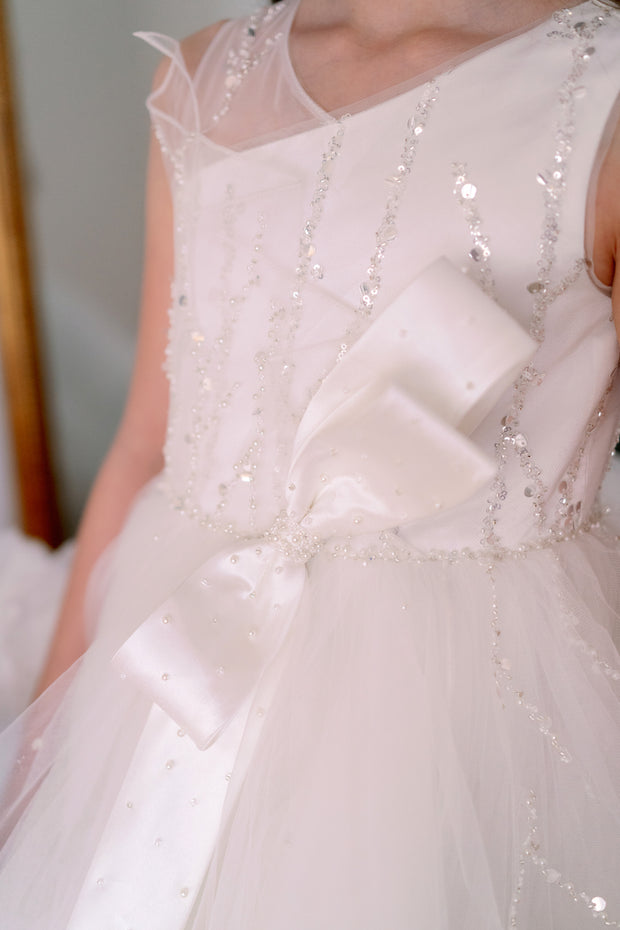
x=438, y=749
x=436, y=766
x=32, y=580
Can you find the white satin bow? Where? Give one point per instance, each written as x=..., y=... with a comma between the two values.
x=383, y=442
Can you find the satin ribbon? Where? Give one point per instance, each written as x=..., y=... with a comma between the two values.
x=383, y=442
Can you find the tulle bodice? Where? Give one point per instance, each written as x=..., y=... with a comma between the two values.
x=275, y=273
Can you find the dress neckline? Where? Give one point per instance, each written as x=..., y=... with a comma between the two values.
x=396, y=90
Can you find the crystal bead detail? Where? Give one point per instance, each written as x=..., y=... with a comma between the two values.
x=292, y=540
x=469, y=191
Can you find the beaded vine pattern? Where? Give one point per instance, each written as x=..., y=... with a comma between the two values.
x=284, y=321
x=466, y=193
x=208, y=358
x=552, y=180
x=531, y=855
x=502, y=667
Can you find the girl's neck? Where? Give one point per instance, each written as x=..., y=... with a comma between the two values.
x=344, y=51
x=382, y=21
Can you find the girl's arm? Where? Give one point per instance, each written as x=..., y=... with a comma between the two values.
x=136, y=453
x=606, y=252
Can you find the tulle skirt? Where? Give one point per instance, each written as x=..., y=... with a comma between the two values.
x=32, y=581
x=435, y=745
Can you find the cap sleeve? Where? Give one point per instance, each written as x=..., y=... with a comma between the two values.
x=172, y=104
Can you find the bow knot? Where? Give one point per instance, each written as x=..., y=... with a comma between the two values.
x=292, y=539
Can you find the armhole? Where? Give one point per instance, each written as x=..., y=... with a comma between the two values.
x=612, y=125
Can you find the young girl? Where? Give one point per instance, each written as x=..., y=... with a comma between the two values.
x=350, y=659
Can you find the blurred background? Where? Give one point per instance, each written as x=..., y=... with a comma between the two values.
x=79, y=83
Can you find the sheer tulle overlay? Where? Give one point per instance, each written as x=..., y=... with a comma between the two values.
x=31, y=585
x=354, y=661
x=392, y=775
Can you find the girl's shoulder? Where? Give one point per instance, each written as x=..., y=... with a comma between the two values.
x=194, y=47
x=192, y=50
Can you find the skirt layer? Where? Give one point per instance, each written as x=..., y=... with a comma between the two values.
x=32, y=580
x=434, y=745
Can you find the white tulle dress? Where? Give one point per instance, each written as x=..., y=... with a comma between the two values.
x=354, y=664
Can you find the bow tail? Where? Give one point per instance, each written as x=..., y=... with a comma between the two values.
x=202, y=653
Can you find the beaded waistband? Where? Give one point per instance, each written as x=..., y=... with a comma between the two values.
x=391, y=548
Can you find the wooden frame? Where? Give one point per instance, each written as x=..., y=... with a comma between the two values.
x=18, y=340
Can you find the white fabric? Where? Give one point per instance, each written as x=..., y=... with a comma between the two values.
x=354, y=664
x=31, y=585
x=391, y=395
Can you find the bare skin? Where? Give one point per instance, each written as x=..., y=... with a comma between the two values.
x=606, y=249
x=342, y=52
x=345, y=50
x=136, y=453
